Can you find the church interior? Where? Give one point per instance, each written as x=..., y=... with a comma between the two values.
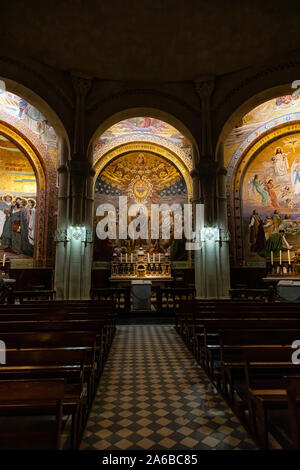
x=149, y=226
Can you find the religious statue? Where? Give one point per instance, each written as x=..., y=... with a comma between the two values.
x=276, y=243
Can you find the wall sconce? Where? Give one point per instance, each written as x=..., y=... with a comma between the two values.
x=215, y=234
x=209, y=234
x=77, y=232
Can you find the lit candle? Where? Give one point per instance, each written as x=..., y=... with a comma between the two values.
x=280, y=258
x=153, y=257
x=289, y=257
x=272, y=259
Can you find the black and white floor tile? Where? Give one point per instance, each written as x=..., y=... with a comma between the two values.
x=153, y=396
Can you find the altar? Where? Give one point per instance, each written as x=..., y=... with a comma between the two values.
x=283, y=276
x=140, y=265
x=143, y=273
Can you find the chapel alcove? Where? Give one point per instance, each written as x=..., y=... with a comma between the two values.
x=28, y=192
x=148, y=161
x=262, y=158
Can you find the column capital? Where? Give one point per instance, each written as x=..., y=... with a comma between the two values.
x=222, y=171
x=62, y=169
x=81, y=83
x=194, y=173
x=205, y=85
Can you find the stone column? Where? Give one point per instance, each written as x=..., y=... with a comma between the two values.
x=61, y=262
x=74, y=235
x=208, y=282
x=198, y=259
x=80, y=169
x=88, y=223
x=208, y=264
x=224, y=260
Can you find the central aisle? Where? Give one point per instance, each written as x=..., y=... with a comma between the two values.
x=153, y=395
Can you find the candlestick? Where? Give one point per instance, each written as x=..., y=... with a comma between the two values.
x=131, y=257
x=148, y=258
x=289, y=257
x=159, y=257
x=126, y=258
x=4, y=256
x=153, y=257
x=280, y=258
x=272, y=258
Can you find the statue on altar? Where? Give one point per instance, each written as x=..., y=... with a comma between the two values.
x=275, y=243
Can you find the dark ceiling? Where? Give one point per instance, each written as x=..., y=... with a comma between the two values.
x=150, y=40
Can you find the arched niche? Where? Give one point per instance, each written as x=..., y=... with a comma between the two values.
x=146, y=174
x=270, y=159
x=45, y=174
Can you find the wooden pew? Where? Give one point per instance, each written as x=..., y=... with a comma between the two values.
x=69, y=364
x=67, y=331
x=190, y=315
x=293, y=398
x=252, y=345
x=24, y=295
x=213, y=326
x=19, y=397
x=266, y=393
x=119, y=296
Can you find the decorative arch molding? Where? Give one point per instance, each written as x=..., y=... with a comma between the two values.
x=236, y=177
x=188, y=126
x=45, y=172
x=141, y=146
x=51, y=96
x=156, y=140
x=24, y=130
x=248, y=89
x=256, y=134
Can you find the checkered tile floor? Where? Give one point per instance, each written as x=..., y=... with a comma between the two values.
x=153, y=395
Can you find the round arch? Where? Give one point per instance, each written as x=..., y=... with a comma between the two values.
x=40, y=170
x=156, y=113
